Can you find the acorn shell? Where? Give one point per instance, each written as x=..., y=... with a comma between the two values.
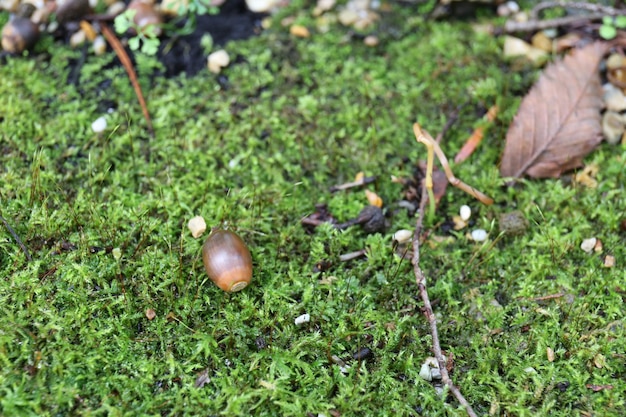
x=227, y=260
x=18, y=35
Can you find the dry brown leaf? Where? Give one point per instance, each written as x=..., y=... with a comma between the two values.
x=558, y=122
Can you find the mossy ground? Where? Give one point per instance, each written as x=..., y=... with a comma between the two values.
x=297, y=116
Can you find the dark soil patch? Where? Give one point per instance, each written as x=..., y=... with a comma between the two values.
x=185, y=54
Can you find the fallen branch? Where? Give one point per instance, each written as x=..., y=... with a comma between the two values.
x=597, y=12
x=595, y=8
x=535, y=25
x=428, y=309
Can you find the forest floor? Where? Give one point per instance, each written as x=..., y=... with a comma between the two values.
x=532, y=324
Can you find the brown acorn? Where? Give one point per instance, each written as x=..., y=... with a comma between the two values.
x=72, y=10
x=146, y=15
x=18, y=35
x=227, y=260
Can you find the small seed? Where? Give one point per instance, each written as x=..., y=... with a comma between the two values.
x=299, y=31
x=403, y=236
x=150, y=314
x=373, y=198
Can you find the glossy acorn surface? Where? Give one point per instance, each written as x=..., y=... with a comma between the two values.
x=18, y=35
x=227, y=260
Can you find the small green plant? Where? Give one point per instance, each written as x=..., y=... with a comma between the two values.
x=146, y=36
x=147, y=40
x=610, y=24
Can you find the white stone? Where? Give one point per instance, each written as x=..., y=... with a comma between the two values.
x=588, y=244
x=613, y=127
x=479, y=235
x=513, y=6
x=196, y=226
x=99, y=45
x=465, y=212
x=218, y=60
x=99, y=125
x=261, y=6
x=614, y=98
x=425, y=372
x=78, y=38
x=305, y=318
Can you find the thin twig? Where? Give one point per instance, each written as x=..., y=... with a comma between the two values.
x=17, y=238
x=534, y=25
x=348, y=185
x=598, y=11
x=596, y=8
x=424, y=137
x=352, y=255
x=128, y=66
x=430, y=315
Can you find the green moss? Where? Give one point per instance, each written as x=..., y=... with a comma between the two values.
x=299, y=115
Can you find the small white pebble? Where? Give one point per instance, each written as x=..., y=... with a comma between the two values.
x=371, y=41
x=305, y=318
x=508, y=8
x=261, y=6
x=479, y=235
x=78, y=38
x=425, y=372
x=465, y=212
x=588, y=244
x=513, y=6
x=196, y=226
x=99, y=125
x=403, y=236
x=218, y=60
x=99, y=45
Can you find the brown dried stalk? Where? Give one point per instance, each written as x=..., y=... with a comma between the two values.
x=128, y=66
x=433, y=148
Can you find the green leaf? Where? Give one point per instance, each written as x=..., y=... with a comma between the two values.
x=607, y=32
x=620, y=22
x=133, y=43
x=150, y=46
x=124, y=21
x=607, y=20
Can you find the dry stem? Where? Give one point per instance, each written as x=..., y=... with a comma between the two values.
x=17, y=238
x=430, y=315
x=128, y=66
x=597, y=12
